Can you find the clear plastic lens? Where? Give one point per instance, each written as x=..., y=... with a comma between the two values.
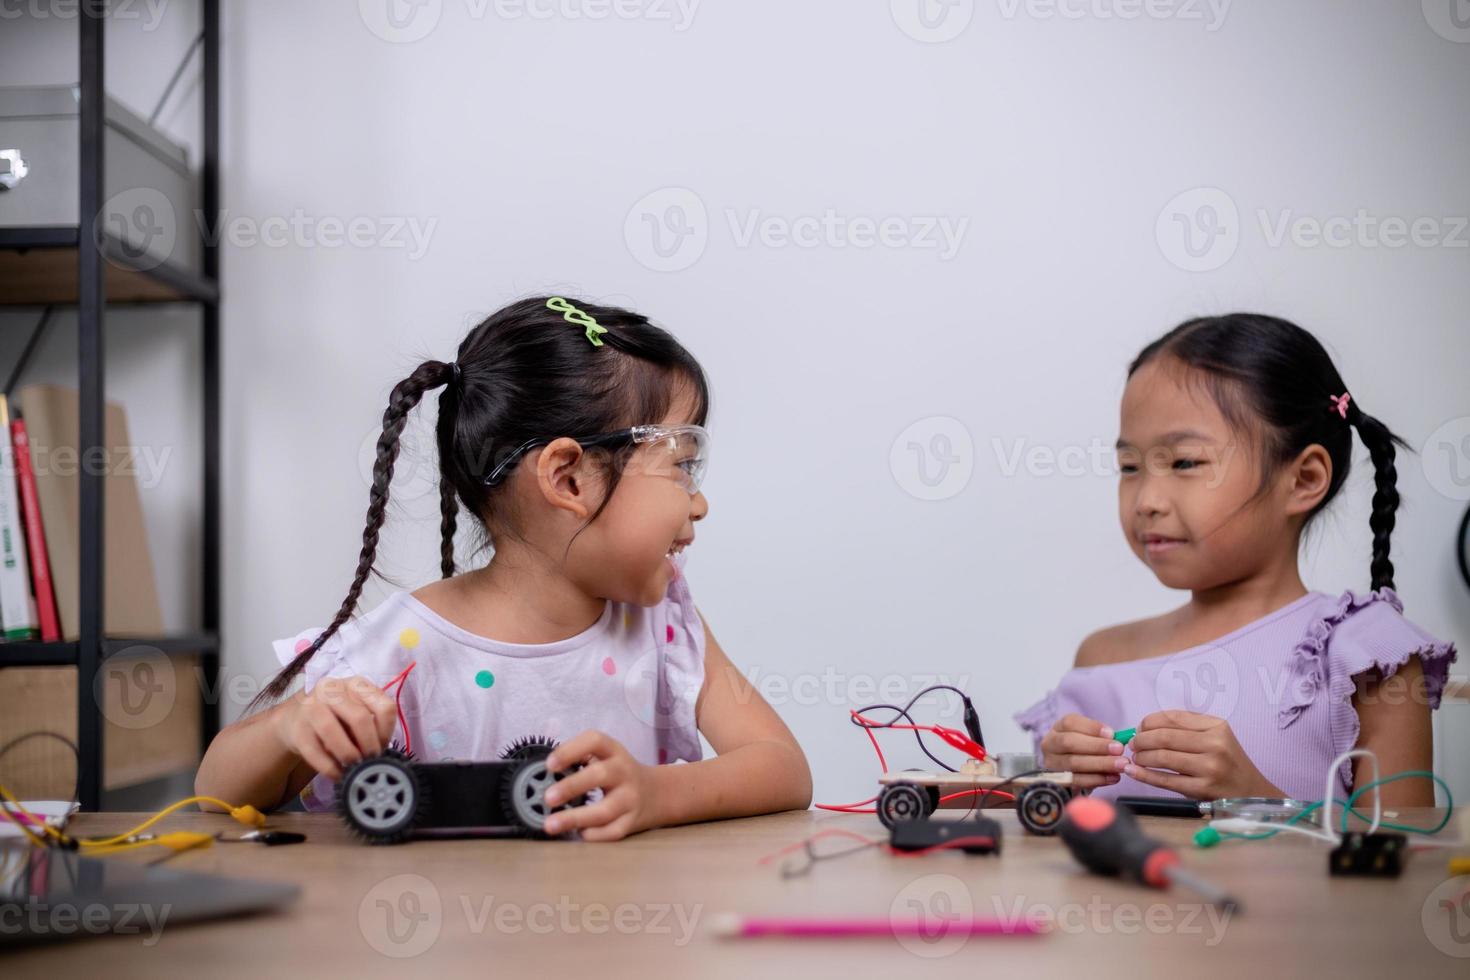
x=687, y=447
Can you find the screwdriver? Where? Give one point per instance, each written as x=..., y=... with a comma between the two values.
x=1108, y=841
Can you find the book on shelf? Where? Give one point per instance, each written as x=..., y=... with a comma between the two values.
x=52, y=416
x=30, y=512
x=17, y=606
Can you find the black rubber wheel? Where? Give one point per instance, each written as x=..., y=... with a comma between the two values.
x=932, y=790
x=899, y=802
x=1040, y=806
x=523, y=793
x=380, y=799
x=525, y=748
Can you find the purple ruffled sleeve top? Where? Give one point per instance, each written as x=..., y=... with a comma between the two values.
x=1284, y=683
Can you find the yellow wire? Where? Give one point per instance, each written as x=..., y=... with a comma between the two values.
x=247, y=815
x=172, y=807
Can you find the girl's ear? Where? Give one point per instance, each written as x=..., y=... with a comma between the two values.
x=1308, y=478
x=559, y=477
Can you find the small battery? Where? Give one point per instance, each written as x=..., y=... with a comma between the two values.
x=1369, y=855
x=980, y=835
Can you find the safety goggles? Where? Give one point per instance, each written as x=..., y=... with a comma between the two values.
x=680, y=451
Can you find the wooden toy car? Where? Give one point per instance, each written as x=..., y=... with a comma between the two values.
x=914, y=794
x=387, y=798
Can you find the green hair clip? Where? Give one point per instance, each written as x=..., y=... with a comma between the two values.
x=571, y=314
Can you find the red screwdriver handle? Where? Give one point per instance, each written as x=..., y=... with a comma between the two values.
x=1107, y=840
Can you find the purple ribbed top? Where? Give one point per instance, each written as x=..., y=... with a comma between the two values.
x=1284, y=683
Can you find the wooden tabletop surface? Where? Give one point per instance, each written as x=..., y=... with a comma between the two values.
x=644, y=907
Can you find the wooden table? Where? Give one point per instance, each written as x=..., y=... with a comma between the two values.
x=643, y=908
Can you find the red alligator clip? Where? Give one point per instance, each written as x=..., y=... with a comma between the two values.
x=960, y=741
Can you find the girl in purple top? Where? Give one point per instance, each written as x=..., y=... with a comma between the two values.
x=1236, y=432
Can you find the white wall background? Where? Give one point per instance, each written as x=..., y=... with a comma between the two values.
x=527, y=144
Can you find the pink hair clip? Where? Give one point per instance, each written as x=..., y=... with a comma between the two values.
x=1340, y=402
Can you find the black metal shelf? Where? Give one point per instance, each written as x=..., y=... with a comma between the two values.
x=63, y=653
x=39, y=266
x=69, y=265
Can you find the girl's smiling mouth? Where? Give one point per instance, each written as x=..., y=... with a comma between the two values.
x=1158, y=544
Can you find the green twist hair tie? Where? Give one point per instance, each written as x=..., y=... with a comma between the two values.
x=571, y=314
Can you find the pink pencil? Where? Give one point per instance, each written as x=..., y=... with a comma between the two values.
x=735, y=925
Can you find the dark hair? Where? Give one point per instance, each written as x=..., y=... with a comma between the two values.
x=1272, y=378
x=523, y=373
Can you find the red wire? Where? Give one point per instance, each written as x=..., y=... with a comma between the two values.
x=401, y=680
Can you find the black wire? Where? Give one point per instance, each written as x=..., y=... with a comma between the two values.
x=812, y=857
x=904, y=713
x=76, y=754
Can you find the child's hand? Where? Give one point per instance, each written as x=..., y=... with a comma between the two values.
x=624, y=806
x=1202, y=751
x=336, y=723
x=1084, y=748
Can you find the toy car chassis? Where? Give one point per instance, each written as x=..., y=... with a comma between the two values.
x=388, y=798
x=914, y=794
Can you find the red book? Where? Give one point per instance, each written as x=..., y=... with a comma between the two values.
x=30, y=510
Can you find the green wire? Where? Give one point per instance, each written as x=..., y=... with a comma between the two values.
x=1348, y=808
x=1449, y=800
